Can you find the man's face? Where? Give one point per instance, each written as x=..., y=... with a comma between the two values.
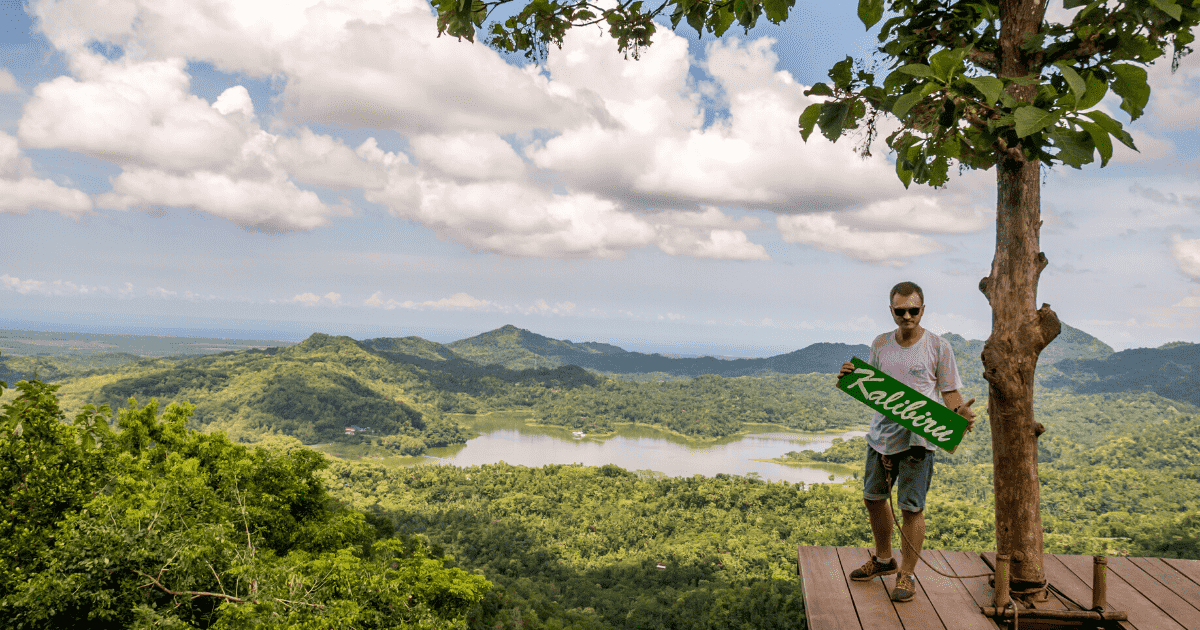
x=906, y=320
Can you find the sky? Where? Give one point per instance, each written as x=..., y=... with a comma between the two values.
x=276, y=168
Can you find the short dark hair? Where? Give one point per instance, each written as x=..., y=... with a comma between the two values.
x=906, y=289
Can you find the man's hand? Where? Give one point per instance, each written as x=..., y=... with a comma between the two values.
x=964, y=410
x=847, y=368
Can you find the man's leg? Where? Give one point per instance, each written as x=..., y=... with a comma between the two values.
x=881, y=527
x=913, y=529
x=875, y=493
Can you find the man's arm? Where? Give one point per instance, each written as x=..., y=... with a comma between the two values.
x=954, y=401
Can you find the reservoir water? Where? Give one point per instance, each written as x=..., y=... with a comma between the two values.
x=639, y=448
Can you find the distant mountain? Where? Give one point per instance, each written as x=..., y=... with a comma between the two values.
x=412, y=347
x=1071, y=343
x=1171, y=371
x=516, y=348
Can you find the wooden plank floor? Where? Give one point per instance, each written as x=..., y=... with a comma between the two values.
x=1156, y=593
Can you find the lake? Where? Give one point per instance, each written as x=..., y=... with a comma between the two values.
x=508, y=438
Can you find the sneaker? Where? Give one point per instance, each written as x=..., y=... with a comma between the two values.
x=873, y=568
x=905, y=589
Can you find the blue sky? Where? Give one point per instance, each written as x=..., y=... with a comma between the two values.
x=280, y=168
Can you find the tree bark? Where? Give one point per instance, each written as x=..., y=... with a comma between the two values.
x=1019, y=330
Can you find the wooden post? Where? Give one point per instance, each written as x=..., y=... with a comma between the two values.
x=1099, y=582
x=1001, y=599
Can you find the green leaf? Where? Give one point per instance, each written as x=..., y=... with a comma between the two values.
x=777, y=10
x=808, y=120
x=1074, y=148
x=1166, y=6
x=1113, y=127
x=916, y=70
x=818, y=89
x=1130, y=84
x=840, y=72
x=952, y=147
x=1071, y=4
x=1030, y=120
x=1076, y=82
x=906, y=103
x=833, y=119
x=1096, y=89
x=989, y=87
x=944, y=62
x=721, y=20
x=1099, y=138
x=895, y=79
x=904, y=174
x=870, y=12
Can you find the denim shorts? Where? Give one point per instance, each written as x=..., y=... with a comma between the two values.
x=912, y=469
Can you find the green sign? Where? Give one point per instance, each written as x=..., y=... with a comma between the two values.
x=911, y=409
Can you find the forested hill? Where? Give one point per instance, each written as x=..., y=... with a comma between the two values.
x=314, y=390
x=1172, y=371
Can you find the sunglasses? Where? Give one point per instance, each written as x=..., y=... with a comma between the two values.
x=912, y=312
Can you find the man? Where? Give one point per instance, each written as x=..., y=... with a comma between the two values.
x=924, y=362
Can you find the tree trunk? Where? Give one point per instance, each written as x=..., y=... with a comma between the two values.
x=1019, y=330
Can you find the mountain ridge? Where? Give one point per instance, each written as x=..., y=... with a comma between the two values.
x=519, y=349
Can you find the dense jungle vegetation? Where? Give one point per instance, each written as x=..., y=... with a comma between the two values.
x=152, y=525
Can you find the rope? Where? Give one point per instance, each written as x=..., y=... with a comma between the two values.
x=892, y=510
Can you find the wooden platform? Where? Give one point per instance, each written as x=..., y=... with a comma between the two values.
x=1157, y=593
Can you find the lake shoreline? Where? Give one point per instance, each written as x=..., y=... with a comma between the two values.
x=748, y=428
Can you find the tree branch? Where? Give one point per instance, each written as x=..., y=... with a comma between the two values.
x=155, y=582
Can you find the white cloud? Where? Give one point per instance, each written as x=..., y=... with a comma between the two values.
x=468, y=156
x=274, y=204
x=515, y=219
x=918, y=213
x=456, y=302
x=1187, y=255
x=323, y=161
x=825, y=232
x=369, y=63
x=8, y=83
x=707, y=234
x=542, y=307
x=660, y=153
x=135, y=113
x=719, y=244
x=54, y=288
x=1191, y=301
x=180, y=151
x=21, y=190
x=312, y=299
x=1174, y=96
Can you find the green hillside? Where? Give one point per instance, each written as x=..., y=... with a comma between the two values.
x=1172, y=371
x=517, y=348
x=311, y=391
x=412, y=346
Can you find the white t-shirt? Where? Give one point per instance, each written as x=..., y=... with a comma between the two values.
x=927, y=366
